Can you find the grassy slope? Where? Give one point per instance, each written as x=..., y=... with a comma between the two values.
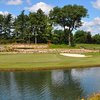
x=46, y=61
x=78, y=46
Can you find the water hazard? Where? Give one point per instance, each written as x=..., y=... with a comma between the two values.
x=49, y=85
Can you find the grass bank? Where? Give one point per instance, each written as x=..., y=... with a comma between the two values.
x=21, y=62
x=77, y=46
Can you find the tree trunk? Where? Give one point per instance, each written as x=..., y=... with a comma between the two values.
x=64, y=30
x=29, y=38
x=69, y=40
x=35, y=38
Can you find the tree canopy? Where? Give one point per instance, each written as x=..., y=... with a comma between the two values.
x=81, y=36
x=69, y=16
x=38, y=27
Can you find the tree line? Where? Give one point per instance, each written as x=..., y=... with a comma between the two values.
x=38, y=27
x=31, y=28
x=80, y=36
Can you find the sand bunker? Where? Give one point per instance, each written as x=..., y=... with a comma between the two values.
x=73, y=55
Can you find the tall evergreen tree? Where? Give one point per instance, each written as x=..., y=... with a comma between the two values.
x=21, y=25
x=1, y=24
x=38, y=23
x=6, y=25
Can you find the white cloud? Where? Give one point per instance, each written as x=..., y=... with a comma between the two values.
x=92, y=26
x=14, y=2
x=96, y=4
x=4, y=13
x=41, y=5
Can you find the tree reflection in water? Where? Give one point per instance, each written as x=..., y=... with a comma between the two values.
x=68, y=89
x=44, y=85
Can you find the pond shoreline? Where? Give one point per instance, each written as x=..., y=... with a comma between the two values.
x=45, y=69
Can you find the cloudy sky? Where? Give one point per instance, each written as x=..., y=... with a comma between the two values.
x=92, y=23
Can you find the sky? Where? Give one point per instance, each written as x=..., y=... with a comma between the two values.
x=91, y=23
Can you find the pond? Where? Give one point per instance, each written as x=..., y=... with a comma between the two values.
x=49, y=85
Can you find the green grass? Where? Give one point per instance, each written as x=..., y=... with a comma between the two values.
x=46, y=61
x=54, y=46
x=78, y=46
x=89, y=46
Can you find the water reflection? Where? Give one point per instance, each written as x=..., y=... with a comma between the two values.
x=89, y=79
x=66, y=89
x=57, y=77
x=49, y=85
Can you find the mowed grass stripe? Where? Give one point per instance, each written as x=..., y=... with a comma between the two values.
x=47, y=61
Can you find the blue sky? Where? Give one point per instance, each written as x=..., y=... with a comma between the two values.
x=92, y=23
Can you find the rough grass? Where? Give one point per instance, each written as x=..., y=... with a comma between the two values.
x=77, y=46
x=89, y=46
x=94, y=97
x=46, y=61
x=54, y=46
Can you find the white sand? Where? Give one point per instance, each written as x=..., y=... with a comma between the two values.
x=73, y=55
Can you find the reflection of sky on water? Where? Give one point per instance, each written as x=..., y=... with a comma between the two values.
x=57, y=77
x=13, y=87
x=49, y=85
x=89, y=79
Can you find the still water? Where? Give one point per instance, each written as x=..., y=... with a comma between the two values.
x=49, y=85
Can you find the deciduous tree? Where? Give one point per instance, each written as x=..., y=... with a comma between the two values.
x=69, y=17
